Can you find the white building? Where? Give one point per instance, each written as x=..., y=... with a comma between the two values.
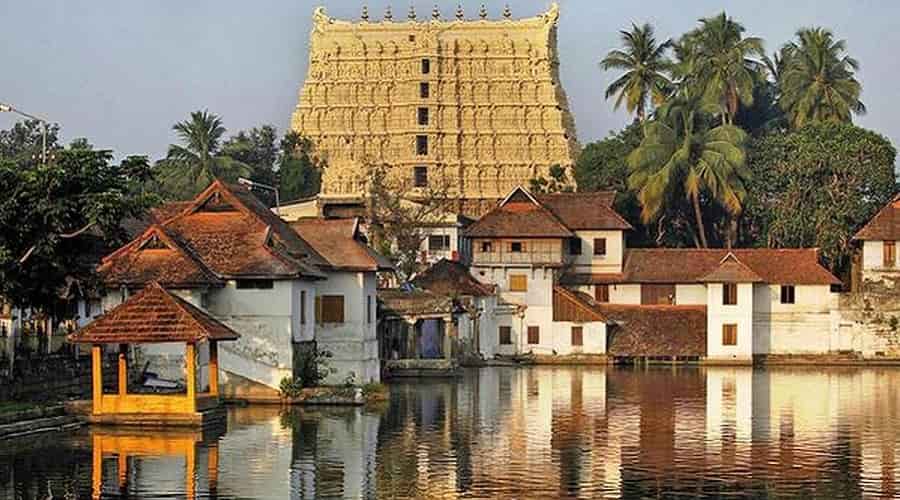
x=878, y=241
x=228, y=254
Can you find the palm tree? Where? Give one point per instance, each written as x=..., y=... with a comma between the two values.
x=817, y=81
x=719, y=58
x=645, y=64
x=680, y=156
x=190, y=167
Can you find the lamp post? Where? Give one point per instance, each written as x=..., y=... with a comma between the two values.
x=6, y=108
x=254, y=184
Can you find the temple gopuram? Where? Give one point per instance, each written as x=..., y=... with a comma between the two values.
x=474, y=106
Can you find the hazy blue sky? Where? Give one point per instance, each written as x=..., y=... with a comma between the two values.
x=122, y=72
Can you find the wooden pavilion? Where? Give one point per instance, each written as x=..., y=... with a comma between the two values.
x=155, y=315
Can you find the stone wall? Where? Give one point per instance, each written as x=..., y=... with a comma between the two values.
x=868, y=322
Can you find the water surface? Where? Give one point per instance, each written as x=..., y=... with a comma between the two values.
x=543, y=432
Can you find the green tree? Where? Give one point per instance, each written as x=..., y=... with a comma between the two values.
x=681, y=157
x=646, y=66
x=815, y=187
x=299, y=173
x=257, y=148
x=817, y=80
x=721, y=63
x=22, y=143
x=191, y=166
x=72, y=205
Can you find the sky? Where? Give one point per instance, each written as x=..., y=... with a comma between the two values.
x=121, y=73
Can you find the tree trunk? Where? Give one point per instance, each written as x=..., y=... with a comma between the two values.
x=701, y=231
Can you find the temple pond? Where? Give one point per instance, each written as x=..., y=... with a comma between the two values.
x=541, y=432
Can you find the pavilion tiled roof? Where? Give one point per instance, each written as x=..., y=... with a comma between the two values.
x=338, y=242
x=153, y=315
x=788, y=266
x=448, y=277
x=585, y=210
x=398, y=302
x=655, y=330
x=885, y=225
x=225, y=232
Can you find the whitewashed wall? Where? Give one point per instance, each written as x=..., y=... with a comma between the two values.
x=873, y=255
x=587, y=262
x=625, y=293
x=803, y=327
x=690, y=294
x=593, y=338
x=353, y=343
x=718, y=314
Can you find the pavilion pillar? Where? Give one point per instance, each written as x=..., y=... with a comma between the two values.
x=449, y=334
x=96, y=466
x=97, y=378
x=123, y=369
x=190, y=361
x=213, y=368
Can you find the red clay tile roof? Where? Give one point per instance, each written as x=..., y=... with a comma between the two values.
x=153, y=315
x=518, y=219
x=228, y=232
x=885, y=225
x=788, y=266
x=447, y=277
x=338, y=242
x=731, y=270
x=663, y=330
x=585, y=210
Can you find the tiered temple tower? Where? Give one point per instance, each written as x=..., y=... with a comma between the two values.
x=473, y=106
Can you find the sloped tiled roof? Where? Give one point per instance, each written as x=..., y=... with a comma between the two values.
x=658, y=330
x=731, y=270
x=226, y=232
x=447, y=277
x=339, y=243
x=794, y=266
x=885, y=225
x=153, y=315
x=585, y=210
x=398, y=302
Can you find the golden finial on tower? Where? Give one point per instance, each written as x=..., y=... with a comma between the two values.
x=412, y=13
x=435, y=13
x=365, y=13
x=388, y=15
x=506, y=12
x=459, y=12
x=483, y=12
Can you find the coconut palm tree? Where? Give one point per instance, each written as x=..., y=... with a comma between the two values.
x=645, y=64
x=191, y=166
x=817, y=81
x=721, y=62
x=681, y=156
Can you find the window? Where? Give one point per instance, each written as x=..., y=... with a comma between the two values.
x=422, y=116
x=254, y=284
x=534, y=335
x=600, y=246
x=729, y=334
x=890, y=253
x=787, y=294
x=505, y=335
x=487, y=247
x=516, y=247
x=426, y=66
x=368, y=309
x=438, y=242
x=574, y=246
x=420, y=176
x=601, y=293
x=729, y=294
x=577, y=336
x=302, y=307
x=424, y=90
x=518, y=283
x=330, y=308
x=421, y=145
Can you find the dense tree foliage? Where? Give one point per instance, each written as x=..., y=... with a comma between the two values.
x=815, y=187
x=299, y=172
x=257, y=148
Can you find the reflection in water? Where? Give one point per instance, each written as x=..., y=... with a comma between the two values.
x=505, y=432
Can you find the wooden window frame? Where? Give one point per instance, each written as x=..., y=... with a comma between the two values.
x=788, y=294
x=513, y=279
x=601, y=293
x=534, y=335
x=577, y=336
x=600, y=247
x=444, y=242
x=513, y=244
x=327, y=307
x=505, y=333
x=729, y=334
x=889, y=254
x=420, y=176
x=487, y=247
x=729, y=294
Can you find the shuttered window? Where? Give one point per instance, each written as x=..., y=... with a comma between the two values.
x=534, y=335
x=601, y=293
x=729, y=334
x=729, y=294
x=577, y=336
x=657, y=293
x=505, y=335
x=599, y=246
x=518, y=283
x=787, y=294
x=890, y=253
x=330, y=308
